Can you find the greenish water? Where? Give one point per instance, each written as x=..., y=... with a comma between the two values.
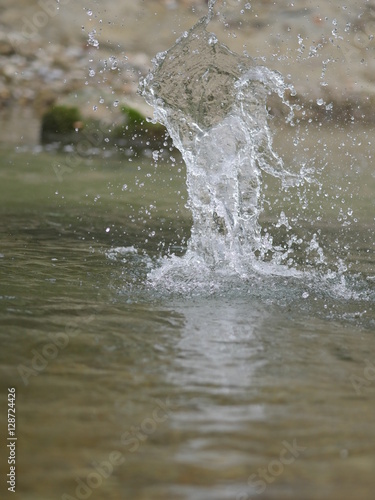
x=127, y=391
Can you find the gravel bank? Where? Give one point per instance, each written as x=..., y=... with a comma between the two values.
x=67, y=53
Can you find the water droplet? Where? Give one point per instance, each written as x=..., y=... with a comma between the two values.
x=320, y=102
x=113, y=62
x=92, y=40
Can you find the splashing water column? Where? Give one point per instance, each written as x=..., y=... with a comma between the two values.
x=213, y=103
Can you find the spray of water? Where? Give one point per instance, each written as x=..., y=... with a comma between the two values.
x=214, y=105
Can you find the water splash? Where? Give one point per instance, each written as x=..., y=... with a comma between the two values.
x=214, y=105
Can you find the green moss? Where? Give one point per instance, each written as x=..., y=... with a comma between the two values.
x=132, y=118
x=137, y=131
x=59, y=125
x=60, y=121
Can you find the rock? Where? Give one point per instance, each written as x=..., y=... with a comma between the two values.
x=6, y=48
x=9, y=71
x=5, y=94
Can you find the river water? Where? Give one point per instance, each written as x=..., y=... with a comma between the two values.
x=127, y=390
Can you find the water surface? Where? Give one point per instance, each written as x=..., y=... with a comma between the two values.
x=200, y=393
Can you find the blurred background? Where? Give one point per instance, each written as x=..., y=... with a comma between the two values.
x=91, y=55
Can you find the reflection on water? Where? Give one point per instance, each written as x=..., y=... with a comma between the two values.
x=254, y=391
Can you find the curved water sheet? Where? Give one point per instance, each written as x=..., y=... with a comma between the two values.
x=213, y=103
